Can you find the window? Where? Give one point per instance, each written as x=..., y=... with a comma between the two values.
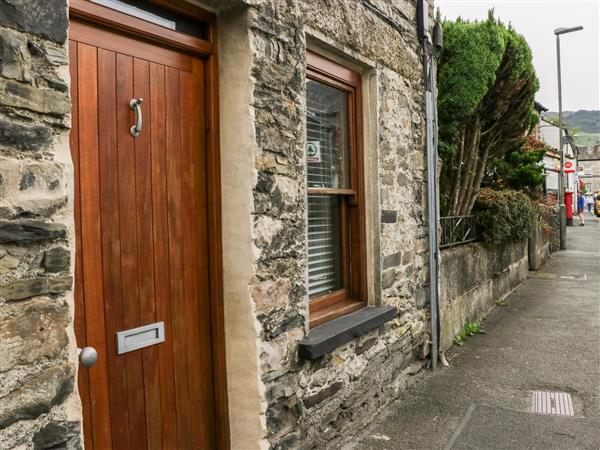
x=145, y=10
x=336, y=254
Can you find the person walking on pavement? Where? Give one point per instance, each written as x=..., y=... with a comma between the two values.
x=581, y=209
x=589, y=200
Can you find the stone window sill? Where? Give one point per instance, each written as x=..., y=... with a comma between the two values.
x=335, y=333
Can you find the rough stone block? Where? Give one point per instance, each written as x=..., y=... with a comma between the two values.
x=323, y=394
x=30, y=231
x=271, y=295
x=8, y=262
x=56, y=260
x=422, y=297
x=407, y=257
x=31, y=287
x=363, y=347
x=54, y=55
x=289, y=441
x=32, y=187
x=392, y=260
x=388, y=277
x=46, y=18
x=32, y=330
x=38, y=395
x=58, y=435
x=287, y=189
x=389, y=216
x=15, y=61
x=24, y=136
x=403, y=179
x=281, y=417
x=45, y=101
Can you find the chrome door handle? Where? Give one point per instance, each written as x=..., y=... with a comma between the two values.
x=88, y=356
x=136, y=105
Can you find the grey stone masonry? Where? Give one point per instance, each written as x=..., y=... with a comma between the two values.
x=321, y=403
x=38, y=406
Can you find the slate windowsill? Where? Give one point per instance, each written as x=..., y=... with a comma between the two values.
x=335, y=333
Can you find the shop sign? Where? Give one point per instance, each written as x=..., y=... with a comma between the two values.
x=569, y=167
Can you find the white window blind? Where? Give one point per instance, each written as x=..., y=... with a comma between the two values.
x=323, y=244
x=326, y=132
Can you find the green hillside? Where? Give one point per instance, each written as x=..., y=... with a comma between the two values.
x=584, y=121
x=587, y=139
x=585, y=125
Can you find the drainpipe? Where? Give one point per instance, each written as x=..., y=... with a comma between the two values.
x=429, y=66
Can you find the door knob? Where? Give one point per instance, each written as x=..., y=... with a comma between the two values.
x=88, y=356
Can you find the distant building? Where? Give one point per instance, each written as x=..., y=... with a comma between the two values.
x=589, y=163
x=539, y=109
x=548, y=133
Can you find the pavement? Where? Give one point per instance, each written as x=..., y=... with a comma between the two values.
x=546, y=337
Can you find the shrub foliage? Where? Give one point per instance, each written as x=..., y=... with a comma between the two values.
x=504, y=217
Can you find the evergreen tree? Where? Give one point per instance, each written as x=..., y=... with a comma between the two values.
x=486, y=85
x=520, y=169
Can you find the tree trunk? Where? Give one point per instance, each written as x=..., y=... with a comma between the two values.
x=458, y=174
x=477, y=184
x=473, y=155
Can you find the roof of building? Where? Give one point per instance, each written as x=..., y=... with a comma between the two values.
x=539, y=107
x=591, y=152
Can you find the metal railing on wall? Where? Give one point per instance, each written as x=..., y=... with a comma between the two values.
x=457, y=230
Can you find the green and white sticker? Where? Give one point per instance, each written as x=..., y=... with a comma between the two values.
x=313, y=152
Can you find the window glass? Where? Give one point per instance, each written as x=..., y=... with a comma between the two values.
x=324, y=245
x=154, y=14
x=327, y=136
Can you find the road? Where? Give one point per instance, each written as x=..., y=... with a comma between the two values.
x=545, y=338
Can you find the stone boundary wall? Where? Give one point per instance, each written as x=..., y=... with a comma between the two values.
x=38, y=405
x=538, y=246
x=472, y=278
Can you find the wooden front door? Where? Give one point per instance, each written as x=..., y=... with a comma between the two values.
x=143, y=239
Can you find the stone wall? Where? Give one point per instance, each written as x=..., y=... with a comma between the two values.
x=38, y=407
x=538, y=246
x=472, y=278
x=320, y=403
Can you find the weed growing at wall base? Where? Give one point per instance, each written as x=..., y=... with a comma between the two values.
x=470, y=329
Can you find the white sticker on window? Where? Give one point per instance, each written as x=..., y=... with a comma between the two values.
x=313, y=152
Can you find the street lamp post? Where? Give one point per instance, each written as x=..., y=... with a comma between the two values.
x=561, y=175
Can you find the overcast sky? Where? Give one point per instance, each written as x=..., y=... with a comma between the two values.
x=536, y=20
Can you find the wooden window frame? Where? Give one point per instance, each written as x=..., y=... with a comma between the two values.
x=353, y=295
x=85, y=10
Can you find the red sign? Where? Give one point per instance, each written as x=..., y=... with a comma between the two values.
x=569, y=167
